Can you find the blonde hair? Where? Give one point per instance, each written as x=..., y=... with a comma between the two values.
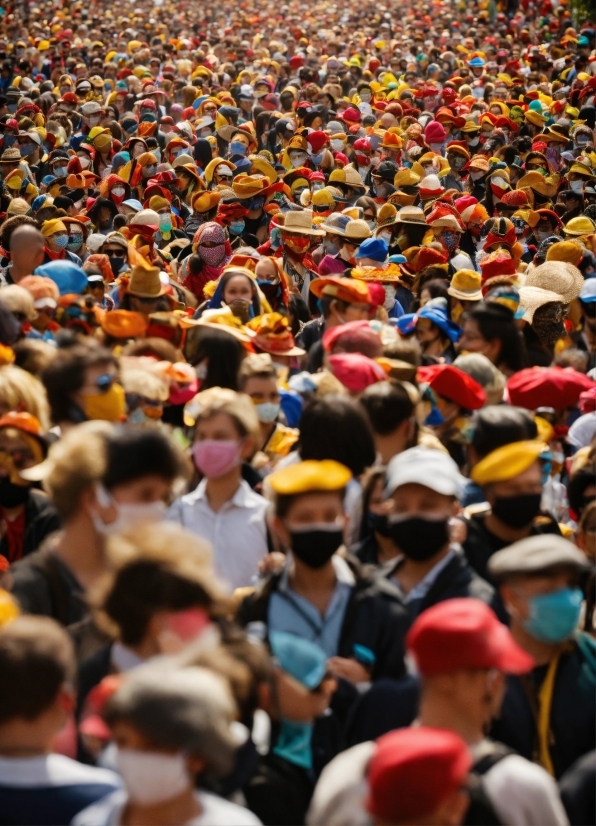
x=23, y=393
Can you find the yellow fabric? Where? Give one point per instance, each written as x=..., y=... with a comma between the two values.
x=308, y=476
x=507, y=462
x=545, y=702
x=52, y=227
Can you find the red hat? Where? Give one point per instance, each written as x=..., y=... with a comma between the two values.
x=434, y=132
x=464, y=634
x=296, y=61
x=557, y=387
x=453, y=384
x=464, y=202
x=413, y=770
x=356, y=330
x=351, y=115
x=497, y=264
x=341, y=160
x=317, y=140
x=377, y=293
x=356, y=371
x=515, y=197
x=501, y=232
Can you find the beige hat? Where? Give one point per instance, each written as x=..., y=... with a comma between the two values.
x=465, y=284
x=357, y=230
x=301, y=223
x=557, y=276
x=147, y=217
x=532, y=298
x=145, y=282
x=18, y=206
x=411, y=215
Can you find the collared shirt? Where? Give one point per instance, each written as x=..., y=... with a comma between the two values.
x=414, y=597
x=292, y=613
x=237, y=532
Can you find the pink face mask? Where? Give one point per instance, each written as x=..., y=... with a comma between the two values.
x=216, y=458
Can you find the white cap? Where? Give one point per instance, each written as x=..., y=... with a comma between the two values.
x=423, y=466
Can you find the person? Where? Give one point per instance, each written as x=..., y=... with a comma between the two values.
x=373, y=544
x=26, y=253
x=37, y=785
x=223, y=509
x=310, y=595
x=550, y=717
x=172, y=727
x=490, y=329
x=390, y=410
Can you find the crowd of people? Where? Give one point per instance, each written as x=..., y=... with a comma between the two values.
x=298, y=413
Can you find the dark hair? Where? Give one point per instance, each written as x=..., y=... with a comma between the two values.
x=298, y=312
x=153, y=346
x=65, y=375
x=499, y=425
x=223, y=351
x=335, y=427
x=368, y=485
x=387, y=405
x=579, y=482
x=437, y=288
x=9, y=226
x=134, y=452
x=497, y=322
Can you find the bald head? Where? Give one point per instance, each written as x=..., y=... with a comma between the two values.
x=26, y=251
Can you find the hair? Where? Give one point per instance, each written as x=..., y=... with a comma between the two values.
x=404, y=349
x=496, y=322
x=572, y=357
x=132, y=453
x=387, y=405
x=36, y=659
x=224, y=352
x=437, y=288
x=65, y=375
x=579, y=482
x=499, y=425
x=367, y=203
x=369, y=483
x=9, y=226
x=180, y=709
x=33, y=355
x=20, y=391
x=166, y=568
x=153, y=346
x=335, y=427
x=252, y=368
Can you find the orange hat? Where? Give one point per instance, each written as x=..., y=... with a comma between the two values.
x=350, y=290
x=124, y=324
x=273, y=335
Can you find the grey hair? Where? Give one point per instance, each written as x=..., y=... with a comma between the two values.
x=187, y=709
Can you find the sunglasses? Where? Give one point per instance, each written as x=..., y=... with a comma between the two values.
x=113, y=253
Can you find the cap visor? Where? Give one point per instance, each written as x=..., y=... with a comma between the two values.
x=509, y=656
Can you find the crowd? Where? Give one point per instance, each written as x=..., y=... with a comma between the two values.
x=298, y=413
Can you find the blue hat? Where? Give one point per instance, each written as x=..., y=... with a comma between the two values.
x=133, y=204
x=375, y=248
x=291, y=405
x=397, y=259
x=299, y=658
x=198, y=101
x=476, y=62
x=66, y=274
x=588, y=293
x=407, y=323
x=46, y=181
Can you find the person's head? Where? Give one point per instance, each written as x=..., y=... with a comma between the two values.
x=417, y=775
x=225, y=431
x=37, y=689
x=497, y=425
x=171, y=726
x=258, y=380
x=538, y=582
x=216, y=355
x=390, y=410
x=585, y=537
x=327, y=429
x=421, y=490
x=170, y=572
x=308, y=510
x=22, y=392
x=343, y=300
x=511, y=478
x=26, y=249
x=55, y=233
x=491, y=330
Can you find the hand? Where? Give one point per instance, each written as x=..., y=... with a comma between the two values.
x=272, y=562
x=350, y=669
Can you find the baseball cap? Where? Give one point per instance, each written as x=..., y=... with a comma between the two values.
x=423, y=466
x=464, y=634
x=413, y=770
x=588, y=292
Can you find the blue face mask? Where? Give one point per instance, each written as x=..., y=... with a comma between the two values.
x=554, y=617
x=258, y=202
x=9, y=140
x=316, y=159
x=237, y=148
x=26, y=150
x=268, y=411
x=294, y=743
x=434, y=418
x=61, y=241
x=236, y=227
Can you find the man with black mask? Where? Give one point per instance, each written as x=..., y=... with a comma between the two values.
x=318, y=594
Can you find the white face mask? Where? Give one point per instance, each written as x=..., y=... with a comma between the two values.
x=85, y=162
x=389, y=302
x=127, y=515
x=151, y=777
x=386, y=236
x=337, y=145
x=576, y=186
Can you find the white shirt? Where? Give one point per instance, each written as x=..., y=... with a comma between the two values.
x=237, y=532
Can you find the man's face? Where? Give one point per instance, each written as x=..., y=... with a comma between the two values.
x=414, y=499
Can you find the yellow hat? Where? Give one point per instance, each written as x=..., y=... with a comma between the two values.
x=52, y=226
x=545, y=429
x=310, y=476
x=506, y=462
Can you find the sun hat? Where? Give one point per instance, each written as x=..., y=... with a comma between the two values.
x=301, y=223
x=465, y=285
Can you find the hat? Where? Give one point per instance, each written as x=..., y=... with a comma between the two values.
x=301, y=223
x=535, y=555
x=430, y=187
x=221, y=318
x=51, y=227
x=21, y=421
x=124, y=324
x=145, y=281
x=410, y=215
x=356, y=371
x=464, y=634
x=581, y=225
x=588, y=293
x=356, y=230
x=335, y=223
x=532, y=298
x=300, y=658
x=423, y=466
x=308, y=476
x=544, y=186
x=506, y=462
x=412, y=771
x=557, y=387
x=570, y=252
x=374, y=248
x=453, y=384
x=68, y=276
x=557, y=276
x=11, y=155
x=273, y=335
x=497, y=267
x=465, y=284
x=437, y=315
x=247, y=186
x=350, y=290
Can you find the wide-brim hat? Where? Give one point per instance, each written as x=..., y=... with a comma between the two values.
x=531, y=298
x=145, y=282
x=391, y=273
x=544, y=186
x=411, y=215
x=350, y=290
x=465, y=285
x=272, y=334
x=557, y=276
x=301, y=223
x=223, y=319
x=249, y=186
x=227, y=133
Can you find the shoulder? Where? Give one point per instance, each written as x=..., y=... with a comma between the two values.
x=54, y=770
x=104, y=812
x=220, y=812
x=248, y=498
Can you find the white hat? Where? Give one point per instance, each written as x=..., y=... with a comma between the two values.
x=423, y=466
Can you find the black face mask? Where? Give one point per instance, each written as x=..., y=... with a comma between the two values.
x=12, y=495
x=316, y=545
x=116, y=264
x=378, y=523
x=419, y=538
x=517, y=511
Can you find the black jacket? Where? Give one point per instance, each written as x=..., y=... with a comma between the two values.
x=41, y=519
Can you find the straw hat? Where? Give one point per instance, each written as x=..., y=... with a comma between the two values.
x=301, y=223
x=465, y=284
x=532, y=298
x=411, y=215
x=247, y=186
x=221, y=319
x=145, y=282
x=357, y=230
x=273, y=335
x=544, y=186
x=557, y=276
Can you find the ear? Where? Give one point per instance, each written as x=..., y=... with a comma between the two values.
x=247, y=447
x=281, y=530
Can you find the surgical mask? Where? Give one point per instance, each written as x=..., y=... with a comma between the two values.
x=419, y=537
x=337, y=146
x=61, y=241
x=108, y=407
x=93, y=120
x=152, y=777
x=60, y=171
x=517, y=511
x=268, y=411
x=216, y=458
x=236, y=227
x=149, y=171
x=165, y=222
x=386, y=236
x=329, y=247
x=75, y=242
x=85, y=162
x=257, y=202
x=541, y=236
x=473, y=141
x=371, y=225
x=317, y=159
x=577, y=186
x=127, y=515
x=382, y=190
x=475, y=176
x=298, y=159
x=315, y=544
x=27, y=150
x=554, y=617
x=390, y=292
x=237, y=148
x=118, y=193
x=437, y=148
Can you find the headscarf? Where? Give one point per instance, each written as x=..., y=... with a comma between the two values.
x=213, y=262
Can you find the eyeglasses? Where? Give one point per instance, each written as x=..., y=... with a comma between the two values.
x=114, y=253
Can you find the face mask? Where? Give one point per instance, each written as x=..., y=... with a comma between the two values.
x=362, y=160
x=93, y=120
x=457, y=163
x=386, y=236
x=337, y=146
x=60, y=171
x=151, y=777
x=268, y=411
x=149, y=171
x=318, y=158
x=475, y=176
x=165, y=222
x=108, y=407
x=213, y=256
x=294, y=743
x=382, y=190
x=128, y=515
x=554, y=617
x=237, y=148
x=371, y=225
x=315, y=544
x=116, y=264
x=298, y=159
x=118, y=193
x=329, y=247
x=11, y=495
x=437, y=148
x=390, y=292
x=365, y=97
x=418, y=537
x=450, y=240
x=27, y=150
x=517, y=511
x=258, y=202
x=85, y=162
x=541, y=236
x=236, y=227
x=75, y=242
x=215, y=459
x=61, y=241
x=297, y=244
x=241, y=308
x=378, y=522
x=577, y=186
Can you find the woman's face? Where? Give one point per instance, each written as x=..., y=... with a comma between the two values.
x=267, y=271
x=473, y=341
x=238, y=287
